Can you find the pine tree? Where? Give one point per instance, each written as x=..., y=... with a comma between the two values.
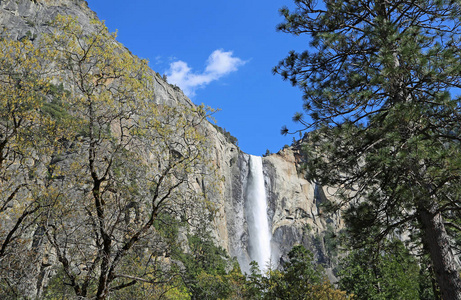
x=378, y=81
x=387, y=272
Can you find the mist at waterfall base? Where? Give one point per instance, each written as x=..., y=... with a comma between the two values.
x=259, y=242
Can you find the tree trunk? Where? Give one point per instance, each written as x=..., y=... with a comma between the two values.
x=437, y=242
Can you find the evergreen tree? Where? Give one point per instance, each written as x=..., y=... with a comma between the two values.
x=385, y=272
x=378, y=83
x=205, y=268
x=299, y=279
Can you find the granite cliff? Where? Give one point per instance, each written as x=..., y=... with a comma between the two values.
x=294, y=212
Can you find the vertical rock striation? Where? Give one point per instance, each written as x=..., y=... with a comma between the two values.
x=295, y=207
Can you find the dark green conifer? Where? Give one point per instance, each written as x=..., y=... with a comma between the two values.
x=379, y=82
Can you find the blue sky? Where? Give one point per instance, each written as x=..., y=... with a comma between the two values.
x=221, y=53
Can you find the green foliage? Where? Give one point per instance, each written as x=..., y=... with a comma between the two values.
x=30, y=23
x=300, y=278
x=389, y=272
x=126, y=184
x=30, y=36
x=378, y=88
x=205, y=264
x=332, y=241
x=299, y=275
x=57, y=287
x=206, y=255
x=229, y=137
x=27, y=140
x=99, y=175
x=168, y=228
x=58, y=108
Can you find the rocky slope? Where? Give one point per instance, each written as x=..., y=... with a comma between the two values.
x=294, y=203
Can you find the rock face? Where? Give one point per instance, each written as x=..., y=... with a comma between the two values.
x=294, y=208
x=27, y=18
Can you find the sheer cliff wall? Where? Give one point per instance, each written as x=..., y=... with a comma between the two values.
x=294, y=203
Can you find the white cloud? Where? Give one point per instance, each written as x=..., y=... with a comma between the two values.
x=219, y=63
x=158, y=60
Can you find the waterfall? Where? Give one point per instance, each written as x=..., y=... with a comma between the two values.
x=259, y=242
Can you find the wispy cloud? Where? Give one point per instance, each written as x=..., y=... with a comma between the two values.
x=158, y=59
x=219, y=64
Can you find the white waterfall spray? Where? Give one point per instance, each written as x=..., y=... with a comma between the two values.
x=256, y=212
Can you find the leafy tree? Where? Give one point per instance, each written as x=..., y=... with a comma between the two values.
x=128, y=167
x=378, y=83
x=299, y=279
x=209, y=273
x=205, y=263
x=388, y=272
x=299, y=275
x=255, y=284
x=28, y=135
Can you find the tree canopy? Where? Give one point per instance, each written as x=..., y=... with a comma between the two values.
x=93, y=168
x=385, y=272
x=379, y=83
x=298, y=278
